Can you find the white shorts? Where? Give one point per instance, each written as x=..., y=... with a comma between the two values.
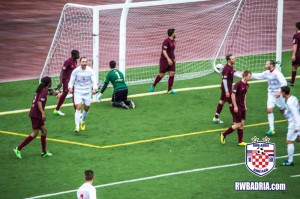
x=273, y=100
x=83, y=98
x=291, y=134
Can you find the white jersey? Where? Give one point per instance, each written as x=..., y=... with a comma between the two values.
x=275, y=78
x=86, y=191
x=292, y=112
x=82, y=80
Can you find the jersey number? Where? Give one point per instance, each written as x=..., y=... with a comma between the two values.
x=118, y=75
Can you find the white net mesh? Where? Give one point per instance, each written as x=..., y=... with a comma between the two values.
x=200, y=27
x=252, y=38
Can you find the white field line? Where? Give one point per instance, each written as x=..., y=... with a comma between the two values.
x=295, y=176
x=152, y=177
x=134, y=96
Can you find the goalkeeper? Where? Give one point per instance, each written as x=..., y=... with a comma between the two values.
x=119, y=97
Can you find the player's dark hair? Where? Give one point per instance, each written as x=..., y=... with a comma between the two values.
x=44, y=83
x=246, y=73
x=297, y=25
x=82, y=58
x=112, y=64
x=228, y=57
x=286, y=90
x=74, y=52
x=89, y=175
x=171, y=31
x=272, y=62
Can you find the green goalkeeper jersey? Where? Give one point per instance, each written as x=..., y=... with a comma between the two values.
x=116, y=78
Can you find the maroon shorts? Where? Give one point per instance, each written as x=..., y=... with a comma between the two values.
x=65, y=86
x=224, y=98
x=36, y=123
x=296, y=63
x=239, y=116
x=165, y=67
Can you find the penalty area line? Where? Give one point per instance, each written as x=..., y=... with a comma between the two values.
x=137, y=95
x=153, y=177
x=295, y=176
x=138, y=141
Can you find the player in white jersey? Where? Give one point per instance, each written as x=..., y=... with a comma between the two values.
x=87, y=190
x=276, y=80
x=293, y=116
x=84, y=84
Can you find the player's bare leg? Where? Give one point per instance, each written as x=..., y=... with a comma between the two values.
x=271, y=121
x=157, y=79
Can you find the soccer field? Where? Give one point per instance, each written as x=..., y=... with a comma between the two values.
x=165, y=148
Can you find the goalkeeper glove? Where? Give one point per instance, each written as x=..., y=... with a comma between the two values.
x=99, y=97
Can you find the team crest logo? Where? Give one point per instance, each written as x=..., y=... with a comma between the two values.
x=260, y=156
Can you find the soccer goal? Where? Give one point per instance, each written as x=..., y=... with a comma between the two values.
x=132, y=34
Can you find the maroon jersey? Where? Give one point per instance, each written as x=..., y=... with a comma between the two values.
x=38, y=97
x=296, y=40
x=240, y=90
x=68, y=67
x=169, y=46
x=227, y=74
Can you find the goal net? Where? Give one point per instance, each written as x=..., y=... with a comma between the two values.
x=206, y=32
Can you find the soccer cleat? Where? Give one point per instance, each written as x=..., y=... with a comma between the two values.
x=58, y=112
x=76, y=131
x=18, y=153
x=291, y=83
x=132, y=104
x=217, y=121
x=172, y=92
x=124, y=105
x=222, y=138
x=47, y=154
x=82, y=126
x=242, y=144
x=270, y=132
x=151, y=88
x=287, y=163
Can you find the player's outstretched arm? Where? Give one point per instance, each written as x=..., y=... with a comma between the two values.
x=259, y=75
x=238, y=74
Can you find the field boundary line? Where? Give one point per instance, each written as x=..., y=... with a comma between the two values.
x=138, y=141
x=153, y=177
x=137, y=95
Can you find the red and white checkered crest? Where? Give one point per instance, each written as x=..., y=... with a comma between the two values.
x=260, y=156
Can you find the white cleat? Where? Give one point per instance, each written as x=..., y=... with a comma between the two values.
x=217, y=121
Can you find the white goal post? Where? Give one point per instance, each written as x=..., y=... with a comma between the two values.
x=132, y=34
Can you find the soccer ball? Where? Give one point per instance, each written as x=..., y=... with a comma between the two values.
x=219, y=66
x=260, y=151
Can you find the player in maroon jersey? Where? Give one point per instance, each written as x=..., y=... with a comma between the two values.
x=167, y=61
x=65, y=74
x=295, y=53
x=226, y=87
x=238, y=97
x=38, y=117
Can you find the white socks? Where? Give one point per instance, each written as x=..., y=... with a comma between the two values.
x=84, y=115
x=271, y=121
x=77, y=118
x=290, y=150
